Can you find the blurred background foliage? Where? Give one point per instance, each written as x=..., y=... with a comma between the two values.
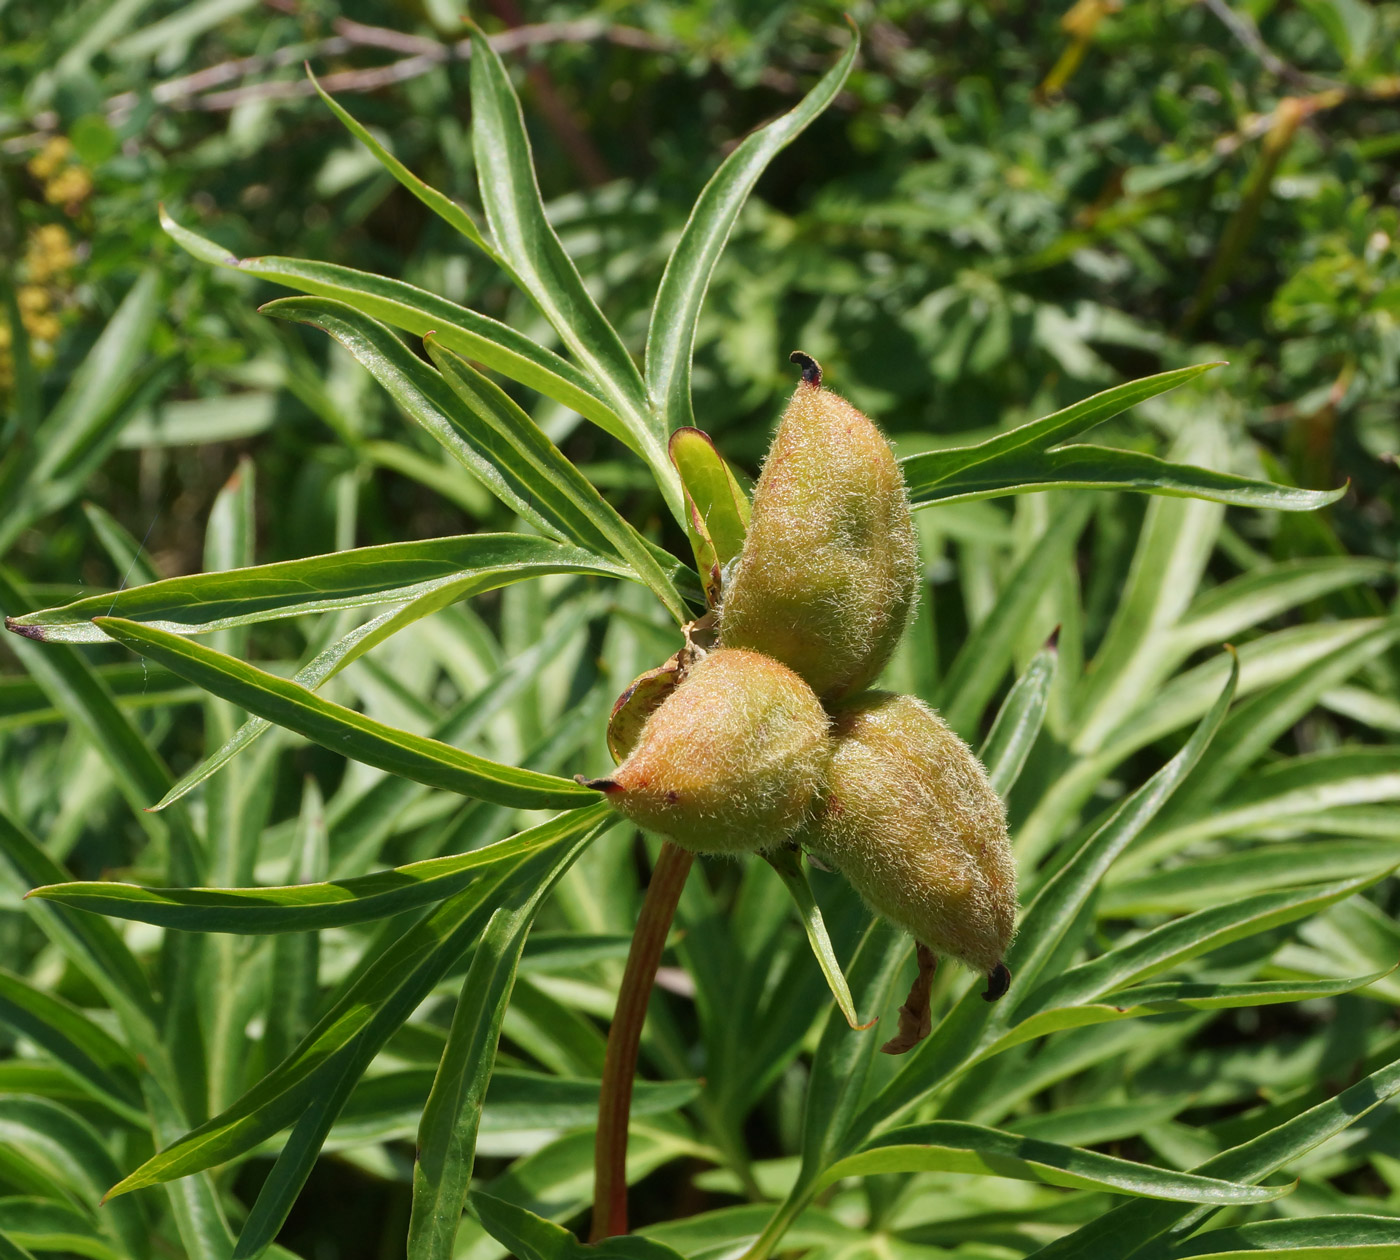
x=1010, y=206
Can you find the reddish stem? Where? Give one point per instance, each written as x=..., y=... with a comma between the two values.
x=624, y=1037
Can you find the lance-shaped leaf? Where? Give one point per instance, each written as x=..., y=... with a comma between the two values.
x=531, y=1237
x=789, y=867
x=93, y=1056
x=513, y=441
x=1188, y=937
x=952, y=1146
x=417, y=311
x=364, y=577
x=1126, y=1230
x=1108, y=468
x=476, y=423
x=447, y=1132
x=1339, y=1237
x=676, y=314
x=1019, y=720
x=925, y=471
x=310, y=907
x=527, y=245
x=1212, y=881
x=978, y=668
x=526, y=881
x=369, y=1008
x=1173, y=997
x=439, y=203
x=64, y=1150
x=344, y=731
x=717, y=509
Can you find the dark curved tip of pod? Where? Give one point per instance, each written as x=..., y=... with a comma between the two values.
x=811, y=369
x=607, y=786
x=998, y=981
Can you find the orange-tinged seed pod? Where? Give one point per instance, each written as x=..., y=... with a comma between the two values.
x=911, y=820
x=827, y=579
x=730, y=760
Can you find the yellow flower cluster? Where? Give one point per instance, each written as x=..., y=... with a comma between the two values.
x=66, y=181
x=46, y=279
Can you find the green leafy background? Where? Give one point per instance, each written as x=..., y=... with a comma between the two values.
x=371, y=914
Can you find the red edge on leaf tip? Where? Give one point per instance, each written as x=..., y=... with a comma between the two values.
x=606, y=786
x=28, y=632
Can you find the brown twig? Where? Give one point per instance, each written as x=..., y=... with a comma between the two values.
x=191, y=91
x=624, y=1038
x=1242, y=27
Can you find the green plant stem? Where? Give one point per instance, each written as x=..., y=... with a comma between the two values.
x=779, y=1224
x=1291, y=111
x=624, y=1038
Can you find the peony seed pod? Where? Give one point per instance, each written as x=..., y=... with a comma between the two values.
x=729, y=761
x=911, y=820
x=827, y=578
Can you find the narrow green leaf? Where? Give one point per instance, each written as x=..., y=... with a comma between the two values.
x=343, y=730
x=1124, y=1231
x=788, y=864
x=447, y=1133
x=1188, y=937
x=676, y=313
x=717, y=509
x=1019, y=720
x=369, y=1008
x=310, y=907
x=91, y=944
x=417, y=311
x=1167, y=998
x=985, y=655
x=56, y=1142
x=531, y=1237
x=1254, y=597
x=47, y=1225
x=439, y=203
x=1254, y=727
x=842, y=1062
x=1339, y=1237
x=1057, y=906
x=539, y=264
x=1108, y=468
x=529, y=881
x=97, y=1059
x=361, y=578
x=924, y=472
x=952, y=1146
x=11, y=1250
x=98, y=387
x=1211, y=881
x=296, y=960
x=126, y=553
x=513, y=442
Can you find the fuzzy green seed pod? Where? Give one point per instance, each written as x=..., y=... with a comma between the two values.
x=730, y=760
x=911, y=820
x=827, y=578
